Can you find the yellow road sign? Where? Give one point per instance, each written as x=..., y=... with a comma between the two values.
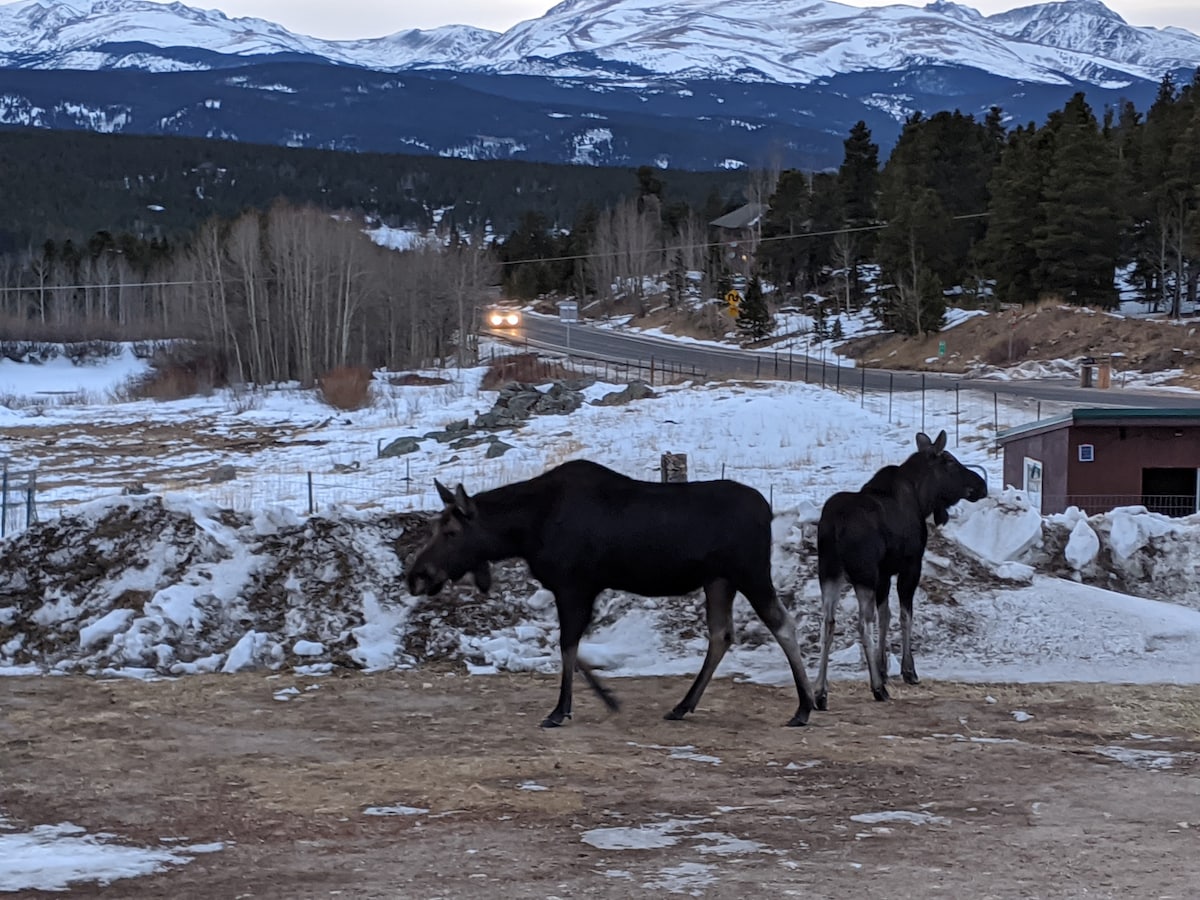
x=733, y=300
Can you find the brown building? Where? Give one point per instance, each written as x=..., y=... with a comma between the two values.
x=1098, y=459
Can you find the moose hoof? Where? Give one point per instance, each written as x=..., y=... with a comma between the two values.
x=911, y=677
x=554, y=720
x=676, y=714
x=799, y=719
x=821, y=701
x=881, y=695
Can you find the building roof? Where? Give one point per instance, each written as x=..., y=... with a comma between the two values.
x=742, y=217
x=1103, y=416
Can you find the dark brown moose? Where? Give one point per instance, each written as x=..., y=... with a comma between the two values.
x=866, y=537
x=583, y=528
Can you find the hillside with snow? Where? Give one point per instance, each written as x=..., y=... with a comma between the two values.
x=687, y=84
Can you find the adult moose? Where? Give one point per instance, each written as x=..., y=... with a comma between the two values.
x=866, y=537
x=583, y=528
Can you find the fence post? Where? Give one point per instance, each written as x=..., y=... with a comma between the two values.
x=891, y=392
x=838, y=379
x=652, y=371
x=956, y=413
x=311, y=508
x=30, y=510
x=922, y=401
x=757, y=366
x=806, y=368
x=822, y=372
x=863, y=393
x=776, y=363
x=789, y=363
x=673, y=467
x=995, y=417
x=4, y=503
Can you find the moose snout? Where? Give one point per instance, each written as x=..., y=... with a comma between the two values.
x=423, y=579
x=976, y=489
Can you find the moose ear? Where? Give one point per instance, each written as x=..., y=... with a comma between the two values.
x=940, y=444
x=444, y=492
x=923, y=441
x=465, y=504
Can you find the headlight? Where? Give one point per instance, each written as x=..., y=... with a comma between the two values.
x=496, y=319
x=512, y=318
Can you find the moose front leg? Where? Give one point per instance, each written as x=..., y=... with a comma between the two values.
x=574, y=616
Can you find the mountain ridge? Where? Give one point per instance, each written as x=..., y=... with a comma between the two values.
x=695, y=84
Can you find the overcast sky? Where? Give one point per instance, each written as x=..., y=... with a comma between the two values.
x=373, y=18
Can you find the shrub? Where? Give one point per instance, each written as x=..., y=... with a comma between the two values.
x=346, y=387
x=179, y=369
x=525, y=367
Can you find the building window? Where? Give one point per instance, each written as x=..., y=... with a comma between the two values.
x=1087, y=452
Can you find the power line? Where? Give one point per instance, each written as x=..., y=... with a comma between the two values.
x=708, y=244
x=704, y=245
x=125, y=284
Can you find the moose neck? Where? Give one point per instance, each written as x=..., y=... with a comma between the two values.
x=511, y=516
x=916, y=470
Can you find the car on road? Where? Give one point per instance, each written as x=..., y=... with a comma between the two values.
x=502, y=317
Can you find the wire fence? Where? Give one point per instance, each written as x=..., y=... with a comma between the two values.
x=404, y=483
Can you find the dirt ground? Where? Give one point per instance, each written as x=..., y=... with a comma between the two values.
x=1030, y=808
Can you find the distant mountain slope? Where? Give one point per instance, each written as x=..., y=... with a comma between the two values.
x=674, y=83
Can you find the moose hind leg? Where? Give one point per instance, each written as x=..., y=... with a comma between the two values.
x=771, y=610
x=866, y=625
x=831, y=591
x=906, y=587
x=574, y=616
x=718, y=603
x=883, y=613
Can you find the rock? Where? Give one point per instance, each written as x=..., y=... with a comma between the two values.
x=400, y=446
x=223, y=473
x=498, y=448
x=635, y=390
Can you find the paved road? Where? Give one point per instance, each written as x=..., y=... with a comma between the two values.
x=547, y=332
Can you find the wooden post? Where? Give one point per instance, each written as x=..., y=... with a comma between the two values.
x=673, y=467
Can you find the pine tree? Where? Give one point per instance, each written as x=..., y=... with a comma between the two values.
x=754, y=317
x=789, y=212
x=1006, y=253
x=836, y=333
x=1078, y=240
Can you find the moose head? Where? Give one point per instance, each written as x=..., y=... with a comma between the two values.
x=943, y=480
x=458, y=544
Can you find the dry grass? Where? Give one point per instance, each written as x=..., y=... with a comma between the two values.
x=524, y=367
x=346, y=388
x=1042, y=332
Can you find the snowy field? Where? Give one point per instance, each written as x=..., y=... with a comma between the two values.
x=236, y=576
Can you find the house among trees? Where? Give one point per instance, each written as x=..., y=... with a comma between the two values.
x=739, y=232
x=1099, y=459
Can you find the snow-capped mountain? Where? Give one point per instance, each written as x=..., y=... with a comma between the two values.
x=790, y=41
x=672, y=83
x=104, y=34
x=798, y=41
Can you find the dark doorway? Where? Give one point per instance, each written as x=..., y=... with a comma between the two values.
x=1171, y=492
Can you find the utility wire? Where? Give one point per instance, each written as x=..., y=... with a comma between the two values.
x=707, y=244
x=704, y=245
